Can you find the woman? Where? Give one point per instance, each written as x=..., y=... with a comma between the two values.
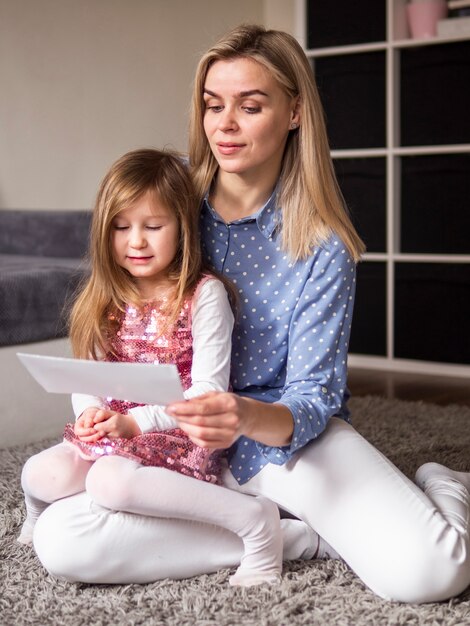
x=274, y=223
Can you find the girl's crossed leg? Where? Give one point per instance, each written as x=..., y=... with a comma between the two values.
x=121, y=484
x=52, y=474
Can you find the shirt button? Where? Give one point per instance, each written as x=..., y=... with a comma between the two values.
x=324, y=390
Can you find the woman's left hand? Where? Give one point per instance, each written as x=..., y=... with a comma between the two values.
x=213, y=420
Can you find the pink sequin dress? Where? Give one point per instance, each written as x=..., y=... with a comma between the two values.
x=137, y=340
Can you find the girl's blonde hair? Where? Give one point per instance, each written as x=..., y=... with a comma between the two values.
x=110, y=287
x=311, y=201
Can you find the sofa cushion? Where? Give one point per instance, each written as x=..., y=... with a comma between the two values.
x=40, y=269
x=44, y=232
x=35, y=296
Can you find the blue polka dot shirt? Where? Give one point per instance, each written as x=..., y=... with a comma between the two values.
x=291, y=337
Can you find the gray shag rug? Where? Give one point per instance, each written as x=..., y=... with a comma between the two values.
x=312, y=592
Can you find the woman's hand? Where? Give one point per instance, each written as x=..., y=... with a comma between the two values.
x=217, y=419
x=213, y=420
x=112, y=424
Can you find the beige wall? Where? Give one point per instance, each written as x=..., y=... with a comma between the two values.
x=83, y=81
x=283, y=15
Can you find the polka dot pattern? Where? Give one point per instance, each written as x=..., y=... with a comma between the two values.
x=291, y=335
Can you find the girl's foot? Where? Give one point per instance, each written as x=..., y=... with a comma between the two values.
x=262, y=561
x=251, y=579
x=26, y=534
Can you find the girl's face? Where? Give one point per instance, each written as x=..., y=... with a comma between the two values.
x=247, y=117
x=145, y=239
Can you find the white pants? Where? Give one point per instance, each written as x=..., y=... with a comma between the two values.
x=392, y=535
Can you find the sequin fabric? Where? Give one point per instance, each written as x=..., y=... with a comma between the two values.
x=138, y=340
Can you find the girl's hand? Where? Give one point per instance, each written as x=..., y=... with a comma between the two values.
x=84, y=426
x=111, y=424
x=213, y=420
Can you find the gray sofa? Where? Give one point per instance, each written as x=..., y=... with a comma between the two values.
x=42, y=260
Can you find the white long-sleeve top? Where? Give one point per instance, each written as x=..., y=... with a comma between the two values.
x=212, y=324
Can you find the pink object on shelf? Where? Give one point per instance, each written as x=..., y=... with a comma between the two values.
x=423, y=16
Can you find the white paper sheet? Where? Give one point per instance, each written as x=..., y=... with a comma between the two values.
x=135, y=382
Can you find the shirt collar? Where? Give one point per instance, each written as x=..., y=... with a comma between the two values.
x=267, y=218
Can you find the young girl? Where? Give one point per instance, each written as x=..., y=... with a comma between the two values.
x=273, y=221
x=148, y=301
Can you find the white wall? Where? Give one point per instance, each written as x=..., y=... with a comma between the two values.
x=83, y=81
x=283, y=15
x=29, y=413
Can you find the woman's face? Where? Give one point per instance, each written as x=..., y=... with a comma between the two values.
x=247, y=117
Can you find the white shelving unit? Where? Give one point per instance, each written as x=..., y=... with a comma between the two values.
x=397, y=39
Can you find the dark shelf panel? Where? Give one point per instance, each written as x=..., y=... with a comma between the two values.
x=352, y=89
x=363, y=183
x=434, y=94
x=432, y=312
x=435, y=208
x=342, y=22
x=369, y=331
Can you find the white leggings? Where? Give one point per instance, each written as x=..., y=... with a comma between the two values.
x=401, y=542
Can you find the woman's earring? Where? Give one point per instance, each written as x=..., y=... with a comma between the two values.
x=293, y=126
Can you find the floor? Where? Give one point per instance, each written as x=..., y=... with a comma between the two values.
x=404, y=386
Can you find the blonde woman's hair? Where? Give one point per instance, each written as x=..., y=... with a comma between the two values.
x=311, y=201
x=110, y=287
